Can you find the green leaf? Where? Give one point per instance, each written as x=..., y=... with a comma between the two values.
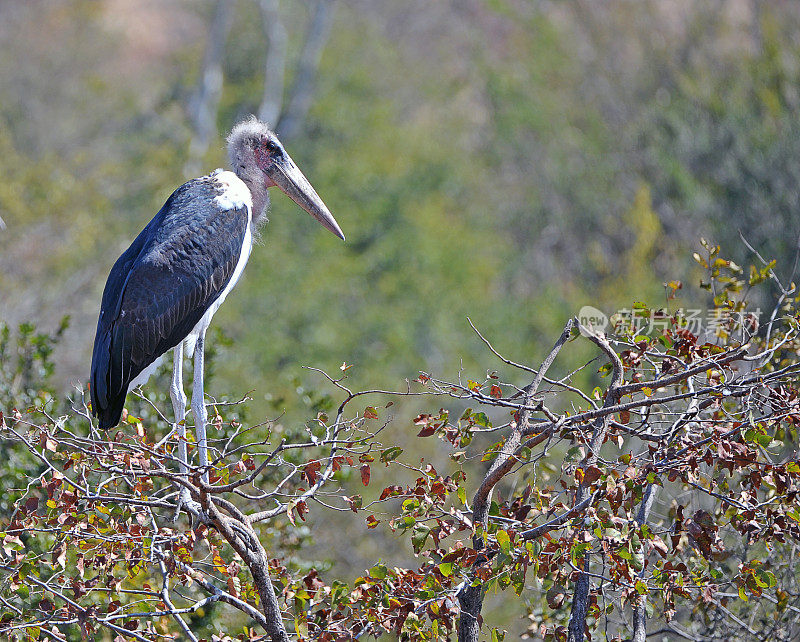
x=390, y=454
x=446, y=568
x=764, y=440
x=418, y=538
x=301, y=626
x=641, y=587
x=378, y=571
x=764, y=579
x=503, y=541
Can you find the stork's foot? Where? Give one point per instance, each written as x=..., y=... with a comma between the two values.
x=193, y=508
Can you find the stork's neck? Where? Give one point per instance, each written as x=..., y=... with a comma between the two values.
x=260, y=198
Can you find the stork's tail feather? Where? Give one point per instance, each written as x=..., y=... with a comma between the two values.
x=106, y=405
x=110, y=417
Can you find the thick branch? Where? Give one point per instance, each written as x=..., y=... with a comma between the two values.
x=471, y=597
x=580, y=600
x=245, y=542
x=639, y=608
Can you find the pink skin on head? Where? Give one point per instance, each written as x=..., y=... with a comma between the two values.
x=280, y=171
x=265, y=160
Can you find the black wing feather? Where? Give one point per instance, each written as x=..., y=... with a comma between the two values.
x=160, y=287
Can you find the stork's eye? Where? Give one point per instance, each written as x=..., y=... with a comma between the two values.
x=271, y=146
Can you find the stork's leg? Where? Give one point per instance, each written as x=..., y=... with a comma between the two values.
x=198, y=404
x=179, y=405
x=178, y=396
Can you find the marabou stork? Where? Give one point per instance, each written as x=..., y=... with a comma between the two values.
x=164, y=289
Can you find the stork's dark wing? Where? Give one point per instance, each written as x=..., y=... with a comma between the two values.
x=159, y=289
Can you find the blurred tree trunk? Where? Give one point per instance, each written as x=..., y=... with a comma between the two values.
x=205, y=102
x=275, y=64
x=303, y=86
x=756, y=30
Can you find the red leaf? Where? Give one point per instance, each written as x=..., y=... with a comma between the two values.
x=496, y=392
x=311, y=471
x=232, y=588
x=370, y=412
x=591, y=474
x=365, y=473
x=391, y=491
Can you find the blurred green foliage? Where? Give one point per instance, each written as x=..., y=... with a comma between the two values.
x=26, y=370
x=503, y=162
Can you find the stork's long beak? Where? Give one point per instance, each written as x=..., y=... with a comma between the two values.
x=291, y=181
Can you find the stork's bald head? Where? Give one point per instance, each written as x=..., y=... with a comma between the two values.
x=259, y=159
